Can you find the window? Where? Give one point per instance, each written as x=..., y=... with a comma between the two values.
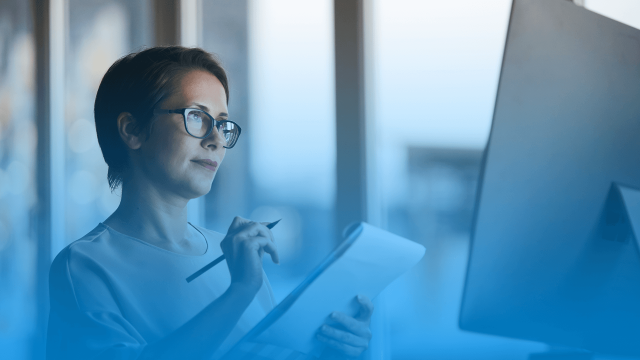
x=279, y=56
x=435, y=69
x=18, y=139
x=100, y=32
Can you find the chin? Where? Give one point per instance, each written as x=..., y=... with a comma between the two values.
x=200, y=188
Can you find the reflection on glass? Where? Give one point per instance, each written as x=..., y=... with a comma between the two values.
x=436, y=67
x=17, y=179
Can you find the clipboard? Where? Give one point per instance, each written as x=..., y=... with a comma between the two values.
x=365, y=262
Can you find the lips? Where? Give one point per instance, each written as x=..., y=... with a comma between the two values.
x=209, y=164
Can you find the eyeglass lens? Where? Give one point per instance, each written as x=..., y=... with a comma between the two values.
x=229, y=132
x=199, y=125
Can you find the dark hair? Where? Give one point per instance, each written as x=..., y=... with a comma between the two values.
x=136, y=84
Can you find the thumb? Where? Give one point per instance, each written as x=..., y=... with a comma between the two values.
x=366, y=308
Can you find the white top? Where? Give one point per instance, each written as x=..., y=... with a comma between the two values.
x=112, y=294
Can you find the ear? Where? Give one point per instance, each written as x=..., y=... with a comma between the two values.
x=126, y=128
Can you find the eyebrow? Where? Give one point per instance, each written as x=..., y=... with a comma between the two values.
x=202, y=107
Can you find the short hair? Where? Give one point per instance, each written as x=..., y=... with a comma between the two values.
x=137, y=83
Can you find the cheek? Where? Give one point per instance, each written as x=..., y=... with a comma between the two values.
x=175, y=155
x=223, y=152
x=169, y=152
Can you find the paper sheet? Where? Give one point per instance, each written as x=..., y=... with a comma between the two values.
x=372, y=262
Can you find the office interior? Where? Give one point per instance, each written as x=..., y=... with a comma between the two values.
x=353, y=109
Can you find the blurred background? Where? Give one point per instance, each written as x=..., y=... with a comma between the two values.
x=423, y=91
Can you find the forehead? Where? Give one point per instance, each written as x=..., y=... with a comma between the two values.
x=198, y=86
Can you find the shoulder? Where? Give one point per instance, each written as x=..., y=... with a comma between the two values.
x=76, y=269
x=80, y=254
x=91, y=242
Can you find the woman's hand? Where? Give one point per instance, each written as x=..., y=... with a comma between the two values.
x=243, y=247
x=352, y=335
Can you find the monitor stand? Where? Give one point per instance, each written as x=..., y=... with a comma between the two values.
x=574, y=355
x=621, y=220
x=562, y=355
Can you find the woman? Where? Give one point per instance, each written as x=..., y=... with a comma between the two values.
x=120, y=291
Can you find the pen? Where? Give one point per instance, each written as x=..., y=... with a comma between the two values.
x=219, y=259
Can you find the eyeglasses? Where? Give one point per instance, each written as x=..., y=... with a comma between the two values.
x=200, y=124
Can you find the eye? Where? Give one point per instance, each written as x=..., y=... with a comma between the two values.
x=195, y=119
x=198, y=123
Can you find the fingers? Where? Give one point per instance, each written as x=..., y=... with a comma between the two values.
x=240, y=224
x=258, y=229
x=237, y=222
x=244, y=229
x=366, y=308
x=357, y=327
x=344, y=336
x=349, y=350
x=270, y=248
x=355, y=338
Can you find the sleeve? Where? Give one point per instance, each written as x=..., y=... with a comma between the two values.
x=85, y=321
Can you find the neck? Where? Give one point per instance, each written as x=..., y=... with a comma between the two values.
x=145, y=212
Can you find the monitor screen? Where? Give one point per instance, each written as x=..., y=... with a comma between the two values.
x=566, y=128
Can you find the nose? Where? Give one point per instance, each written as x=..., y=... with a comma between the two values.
x=214, y=141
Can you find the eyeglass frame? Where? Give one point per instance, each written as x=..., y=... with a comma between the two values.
x=183, y=112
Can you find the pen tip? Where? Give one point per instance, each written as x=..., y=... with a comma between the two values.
x=270, y=226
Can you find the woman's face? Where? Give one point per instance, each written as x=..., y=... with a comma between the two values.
x=171, y=158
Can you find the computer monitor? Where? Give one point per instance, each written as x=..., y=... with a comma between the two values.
x=543, y=263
